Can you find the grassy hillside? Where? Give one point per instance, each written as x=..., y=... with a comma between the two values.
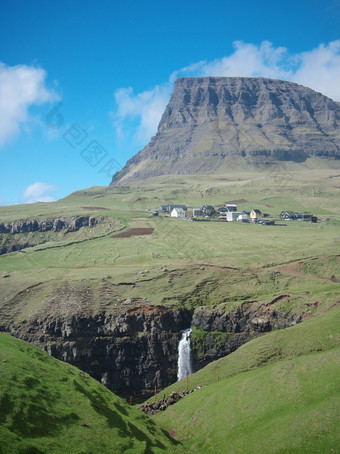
x=50, y=407
x=278, y=393
x=275, y=394
x=182, y=247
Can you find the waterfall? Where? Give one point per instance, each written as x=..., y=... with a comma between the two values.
x=184, y=355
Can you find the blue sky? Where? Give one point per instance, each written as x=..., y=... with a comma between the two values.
x=83, y=83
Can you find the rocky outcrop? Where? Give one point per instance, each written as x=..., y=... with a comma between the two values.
x=130, y=352
x=212, y=123
x=217, y=334
x=8, y=242
x=152, y=408
x=71, y=224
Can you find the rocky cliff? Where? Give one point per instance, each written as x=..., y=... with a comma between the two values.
x=71, y=224
x=11, y=231
x=130, y=352
x=217, y=334
x=136, y=349
x=215, y=123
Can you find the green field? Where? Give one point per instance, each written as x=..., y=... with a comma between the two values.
x=278, y=393
x=178, y=243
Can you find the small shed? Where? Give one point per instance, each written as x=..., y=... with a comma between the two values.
x=178, y=213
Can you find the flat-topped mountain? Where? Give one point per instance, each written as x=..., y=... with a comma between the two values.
x=211, y=123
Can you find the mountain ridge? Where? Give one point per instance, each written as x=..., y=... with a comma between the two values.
x=211, y=122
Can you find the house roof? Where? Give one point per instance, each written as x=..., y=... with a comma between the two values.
x=179, y=210
x=257, y=211
x=171, y=207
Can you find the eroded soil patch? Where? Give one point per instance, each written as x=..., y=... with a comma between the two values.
x=134, y=232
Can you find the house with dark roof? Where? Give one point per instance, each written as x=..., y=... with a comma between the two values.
x=208, y=210
x=171, y=207
x=255, y=215
x=177, y=213
x=295, y=216
x=230, y=207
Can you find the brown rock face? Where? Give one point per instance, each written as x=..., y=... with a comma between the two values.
x=211, y=122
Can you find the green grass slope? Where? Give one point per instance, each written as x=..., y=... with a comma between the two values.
x=277, y=394
x=175, y=242
x=50, y=407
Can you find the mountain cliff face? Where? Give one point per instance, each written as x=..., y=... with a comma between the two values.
x=212, y=123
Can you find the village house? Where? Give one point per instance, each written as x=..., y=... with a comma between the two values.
x=208, y=210
x=178, y=213
x=295, y=216
x=169, y=208
x=196, y=212
x=243, y=217
x=232, y=216
x=291, y=215
x=255, y=215
x=230, y=207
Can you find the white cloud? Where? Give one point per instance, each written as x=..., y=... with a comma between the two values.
x=148, y=106
x=318, y=69
x=250, y=60
x=39, y=192
x=20, y=87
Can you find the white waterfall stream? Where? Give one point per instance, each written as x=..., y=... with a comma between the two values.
x=184, y=355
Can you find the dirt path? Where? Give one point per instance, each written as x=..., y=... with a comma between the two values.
x=293, y=269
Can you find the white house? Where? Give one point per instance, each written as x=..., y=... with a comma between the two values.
x=232, y=215
x=178, y=213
